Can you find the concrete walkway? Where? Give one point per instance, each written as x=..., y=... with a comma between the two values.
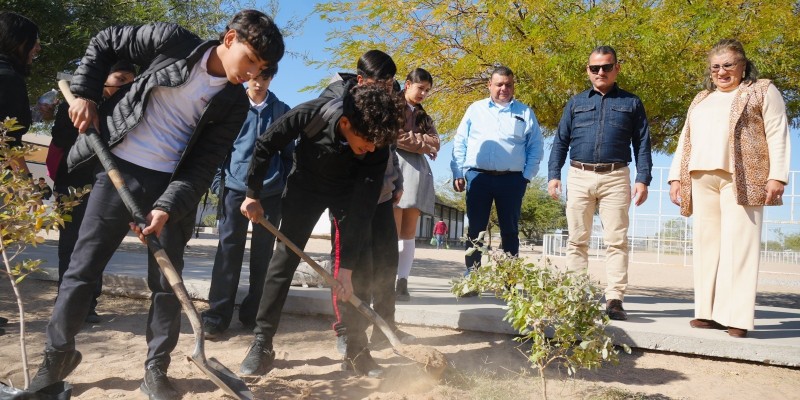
x=659, y=304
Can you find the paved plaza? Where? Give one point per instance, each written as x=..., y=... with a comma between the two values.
x=659, y=302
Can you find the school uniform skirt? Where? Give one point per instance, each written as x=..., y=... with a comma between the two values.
x=418, y=191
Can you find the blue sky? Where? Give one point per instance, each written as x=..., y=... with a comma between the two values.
x=294, y=75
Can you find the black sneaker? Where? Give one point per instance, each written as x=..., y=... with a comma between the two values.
x=211, y=330
x=401, y=290
x=363, y=364
x=259, y=358
x=93, y=318
x=56, y=366
x=156, y=385
x=3, y=321
x=615, y=311
x=378, y=338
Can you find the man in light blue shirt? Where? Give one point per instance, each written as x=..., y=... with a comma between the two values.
x=496, y=151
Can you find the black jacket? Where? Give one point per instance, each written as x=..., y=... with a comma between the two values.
x=169, y=51
x=328, y=168
x=14, y=101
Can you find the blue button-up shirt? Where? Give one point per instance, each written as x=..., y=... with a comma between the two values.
x=497, y=138
x=601, y=129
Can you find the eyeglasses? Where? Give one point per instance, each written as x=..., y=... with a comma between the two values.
x=595, y=69
x=726, y=66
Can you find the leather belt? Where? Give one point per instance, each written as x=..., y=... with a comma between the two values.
x=608, y=167
x=483, y=171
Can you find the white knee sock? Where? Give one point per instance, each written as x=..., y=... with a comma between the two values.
x=405, y=257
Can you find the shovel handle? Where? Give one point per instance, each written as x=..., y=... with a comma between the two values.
x=153, y=244
x=354, y=300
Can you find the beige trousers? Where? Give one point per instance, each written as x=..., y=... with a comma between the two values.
x=610, y=192
x=726, y=251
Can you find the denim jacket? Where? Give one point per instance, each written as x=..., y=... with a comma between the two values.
x=602, y=129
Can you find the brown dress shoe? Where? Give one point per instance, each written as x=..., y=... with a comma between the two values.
x=736, y=332
x=706, y=324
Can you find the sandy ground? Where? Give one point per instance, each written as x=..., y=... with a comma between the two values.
x=481, y=366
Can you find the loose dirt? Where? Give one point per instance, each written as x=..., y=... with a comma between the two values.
x=479, y=366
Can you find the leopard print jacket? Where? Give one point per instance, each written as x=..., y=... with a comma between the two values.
x=748, y=148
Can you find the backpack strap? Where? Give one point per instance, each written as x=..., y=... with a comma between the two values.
x=323, y=117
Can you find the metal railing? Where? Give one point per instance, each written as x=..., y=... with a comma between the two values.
x=658, y=234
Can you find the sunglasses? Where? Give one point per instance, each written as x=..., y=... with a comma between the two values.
x=595, y=69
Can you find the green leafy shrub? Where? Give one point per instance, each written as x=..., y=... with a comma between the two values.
x=558, y=313
x=23, y=218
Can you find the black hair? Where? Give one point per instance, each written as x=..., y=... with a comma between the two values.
x=269, y=72
x=423, y=121
x=605, y=50
x=502, y=70
x=18, y=36
x=375, y=114
x=419, y=75
x=260, y=32
x=377, y=65
x=734, y=46
x=123, y=66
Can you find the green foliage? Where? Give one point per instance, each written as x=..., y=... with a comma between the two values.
x=540, y=214
x=662, y=45
x=675, y=229
x=23, y=217
x=209, y=220
x=557, y=313
x=792, y=242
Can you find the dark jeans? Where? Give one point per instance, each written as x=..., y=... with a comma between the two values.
x=230, y=254
x=379, y=276
x=301, y=210
x=506, y=191
x=104, y=226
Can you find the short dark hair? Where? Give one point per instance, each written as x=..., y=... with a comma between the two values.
x=123, y=66
x=270, y=71
x=260, y=32
x=501, y=70
x=419, y=75
x=605, y=50
x=736, y=47
x=375, y=114
x=18, y=35
x=377, y=65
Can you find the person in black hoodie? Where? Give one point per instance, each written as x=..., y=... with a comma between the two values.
x=339, y=168
x=168, y=133
x=19, y=46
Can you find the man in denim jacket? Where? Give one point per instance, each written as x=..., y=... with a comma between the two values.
x=598, y=127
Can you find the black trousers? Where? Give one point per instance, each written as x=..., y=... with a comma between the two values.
x=378, y=271
x=68, y=235
x=230, y=254
x=301, y=209
x=104, y=226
